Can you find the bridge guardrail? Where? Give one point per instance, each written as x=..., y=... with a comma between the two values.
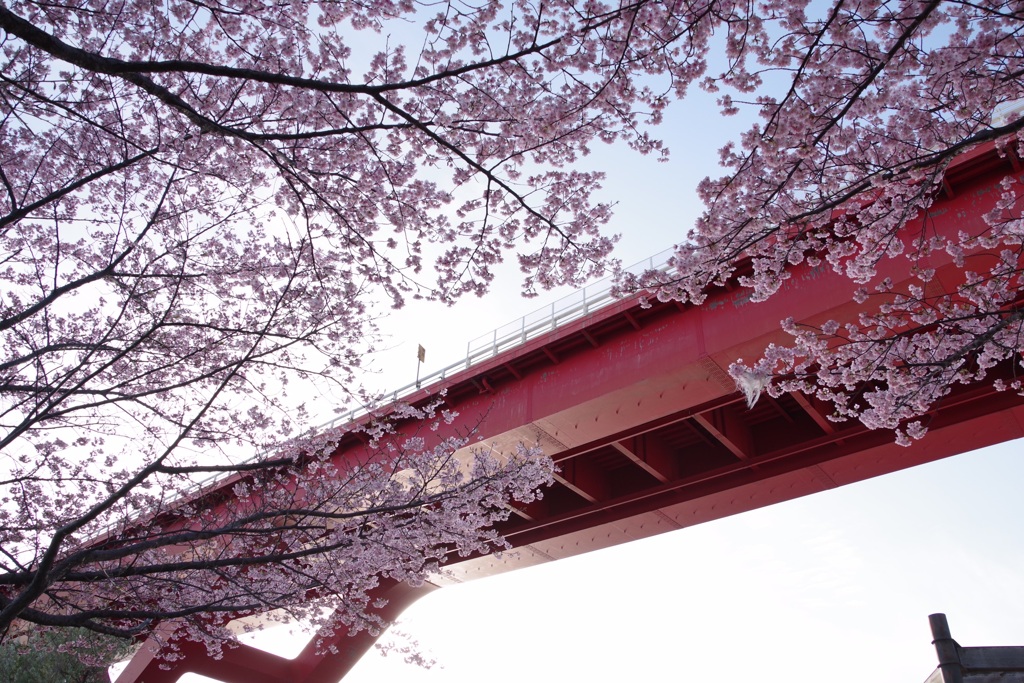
x=560, y=312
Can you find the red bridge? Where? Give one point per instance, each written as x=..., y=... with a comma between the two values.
x=635, y=406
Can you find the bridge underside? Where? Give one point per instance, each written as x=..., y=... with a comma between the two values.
x=692, y=464
x=635, y=406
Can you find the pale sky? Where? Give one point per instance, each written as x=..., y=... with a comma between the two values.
x=835, y=587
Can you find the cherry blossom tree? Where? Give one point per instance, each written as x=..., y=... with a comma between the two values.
x=203, y=205
x=205, y=202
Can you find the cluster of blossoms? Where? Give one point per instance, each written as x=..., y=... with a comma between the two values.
x=862, y=109
x=312, y=533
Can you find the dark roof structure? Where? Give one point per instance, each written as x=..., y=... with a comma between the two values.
x=958, y=664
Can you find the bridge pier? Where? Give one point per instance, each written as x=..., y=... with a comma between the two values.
x=327, y=662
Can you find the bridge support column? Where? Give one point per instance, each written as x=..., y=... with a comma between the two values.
x=247, y=664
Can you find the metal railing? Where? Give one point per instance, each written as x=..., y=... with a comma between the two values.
x=569, y=308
